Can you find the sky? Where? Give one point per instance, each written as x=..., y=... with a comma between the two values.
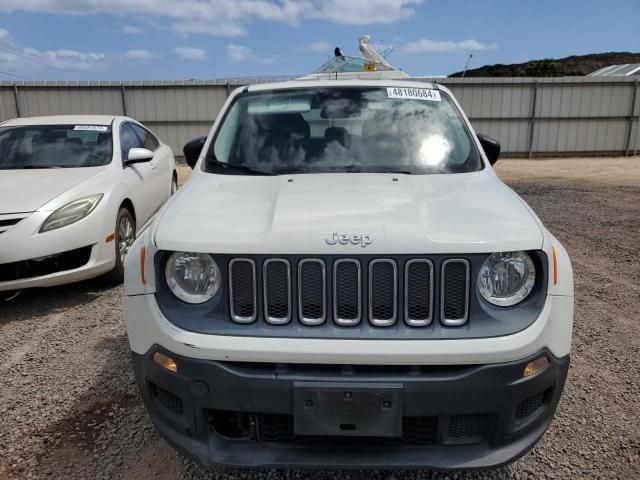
x=214, y=39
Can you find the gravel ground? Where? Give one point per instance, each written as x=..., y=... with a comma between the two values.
x=69, y=407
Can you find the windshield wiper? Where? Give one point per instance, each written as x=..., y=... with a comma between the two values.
x=365, y=169
x=240, y=168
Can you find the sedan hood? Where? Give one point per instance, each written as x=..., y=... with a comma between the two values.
x=375, y=213
x=28, y=190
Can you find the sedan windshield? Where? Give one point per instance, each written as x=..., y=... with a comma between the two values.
x=342, y=129
x=54, y=146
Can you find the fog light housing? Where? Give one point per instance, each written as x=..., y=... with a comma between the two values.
x=536, y=366
x=165, y=362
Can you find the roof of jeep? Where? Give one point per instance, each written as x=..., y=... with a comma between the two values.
x=339, y=83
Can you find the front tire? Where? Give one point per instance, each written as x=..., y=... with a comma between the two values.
x=125, y=235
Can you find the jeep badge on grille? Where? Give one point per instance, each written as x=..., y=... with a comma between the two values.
x=362, y=239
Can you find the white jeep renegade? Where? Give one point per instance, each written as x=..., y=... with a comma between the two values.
x=344, y=281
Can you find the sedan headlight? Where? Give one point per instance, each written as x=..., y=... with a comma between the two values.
x=192, y=277
x=506, y=278
x=71, y=212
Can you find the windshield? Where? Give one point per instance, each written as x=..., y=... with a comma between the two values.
x=402, y=130
x=54, y=146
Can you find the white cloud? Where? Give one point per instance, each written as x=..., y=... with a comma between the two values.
x=242, y=54
x=425, y=45
x=139, y=54
x=228, y=18
x=131, y=29
x=319, y=46
x=17, y=58
x=190, y=53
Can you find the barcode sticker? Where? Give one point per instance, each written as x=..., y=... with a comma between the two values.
x=414, y=93
x=92, y=128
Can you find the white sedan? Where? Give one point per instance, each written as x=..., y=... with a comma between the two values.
x=73, y=192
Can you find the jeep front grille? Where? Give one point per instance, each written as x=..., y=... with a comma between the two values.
x=381, y=292
x=242, y=290
x=277, y=290
x=454, y=301
x=347, y=292
x=312, y=291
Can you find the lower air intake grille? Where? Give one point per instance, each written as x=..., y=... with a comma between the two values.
x=529, y=406
x=419, y=430
x=468, y=428
x=275, y=428
x=169, y=400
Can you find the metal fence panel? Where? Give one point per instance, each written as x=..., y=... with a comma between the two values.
x=529, y=116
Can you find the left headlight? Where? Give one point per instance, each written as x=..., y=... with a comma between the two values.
x=192, y=277
x=71, y=212
x=506, y=278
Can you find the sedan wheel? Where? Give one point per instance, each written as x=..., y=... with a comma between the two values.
x=125, y=235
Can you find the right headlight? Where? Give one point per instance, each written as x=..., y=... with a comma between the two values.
x=192, y=277
x=506, y=278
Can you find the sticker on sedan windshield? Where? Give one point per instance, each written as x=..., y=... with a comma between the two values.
x=91, y=128
x=414, y=93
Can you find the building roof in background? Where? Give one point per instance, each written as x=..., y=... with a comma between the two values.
x=623, y=70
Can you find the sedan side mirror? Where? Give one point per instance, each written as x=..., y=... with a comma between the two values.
x=192, y=150
x=491, y=148
x=138, y=155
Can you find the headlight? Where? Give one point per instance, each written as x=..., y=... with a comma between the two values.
x=71, y=212
x=192, y=277
x=506, y=278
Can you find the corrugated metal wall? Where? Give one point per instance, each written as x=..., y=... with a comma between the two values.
x=529, y=116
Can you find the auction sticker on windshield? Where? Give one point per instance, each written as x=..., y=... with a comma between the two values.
x=91, y=128
x=414, y=93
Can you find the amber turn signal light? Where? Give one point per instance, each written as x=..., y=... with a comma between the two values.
x=165, y=362
x=536, y=366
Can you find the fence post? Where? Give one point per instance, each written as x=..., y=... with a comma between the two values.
x=532, y=116
x=124, y=99
x=631, y=118
x=17, y=99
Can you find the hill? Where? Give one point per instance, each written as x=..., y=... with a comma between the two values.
x=575, y=65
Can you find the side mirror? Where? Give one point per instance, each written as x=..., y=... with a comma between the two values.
x=491, y=148
x=138, y=155
x=192, y=150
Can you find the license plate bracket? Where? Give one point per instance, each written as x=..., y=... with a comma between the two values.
x=347, y=409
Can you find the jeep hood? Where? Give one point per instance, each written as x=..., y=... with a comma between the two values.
x=28, y=190
x=291, y=214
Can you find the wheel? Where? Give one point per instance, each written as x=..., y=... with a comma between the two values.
x=174, y=184
x=125, y=235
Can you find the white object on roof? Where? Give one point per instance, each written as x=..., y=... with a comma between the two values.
x=624, y=70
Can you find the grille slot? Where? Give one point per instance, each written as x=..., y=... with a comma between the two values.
x=312, y=291
x=242, y=290
x=347, y=292
x=454, y=301
x=383, y=292
x=418, y=291
x=275, y=428
x=277, y=291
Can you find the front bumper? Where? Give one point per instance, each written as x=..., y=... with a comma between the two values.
x=453, y=417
